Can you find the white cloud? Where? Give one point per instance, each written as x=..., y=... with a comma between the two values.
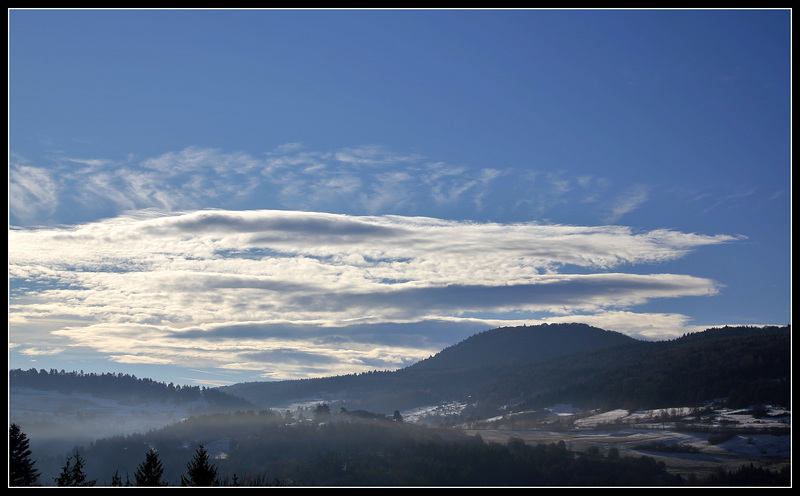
x=136, y=286
x=158, y=281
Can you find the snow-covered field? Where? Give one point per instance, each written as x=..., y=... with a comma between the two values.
x=419, y=414
x=740, y=418
x=749, y=439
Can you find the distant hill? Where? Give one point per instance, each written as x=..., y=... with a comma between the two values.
x=563, y=363
x=741, y=365
x=58, y=409
x=453, y=373
x=522, y=345
x=125, y=386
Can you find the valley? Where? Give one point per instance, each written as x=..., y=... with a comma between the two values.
x=724, y=439
x=703, y=405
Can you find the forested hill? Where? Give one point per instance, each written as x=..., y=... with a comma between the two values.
x=742, y=365
x=450, y=374
x=592, y=368
x=522, y=345
x=529, y=366
x=542, y=365
x=116, y=386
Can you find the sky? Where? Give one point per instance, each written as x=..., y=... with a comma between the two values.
x=209, y=197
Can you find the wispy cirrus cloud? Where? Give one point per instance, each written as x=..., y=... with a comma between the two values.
x=357, y=180
x=241, y=288
x=629, y=201
x=32, y=193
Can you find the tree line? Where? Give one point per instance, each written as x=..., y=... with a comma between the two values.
x=118, y=384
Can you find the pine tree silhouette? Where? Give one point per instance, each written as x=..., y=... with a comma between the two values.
x=150, y=471
x=73, y=475
x=199, y=471
x=20, y=465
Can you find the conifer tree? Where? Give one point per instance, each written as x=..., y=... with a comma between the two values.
x=20, y=465
x=73, y=475
x=199, y=471
x=150, y=471
x=116, y=480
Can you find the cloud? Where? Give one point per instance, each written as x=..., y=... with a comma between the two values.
x=262, y=280
x=628, y=202
x=357, y=180
x=32, y=193
x=245, y=289
x=372, y=155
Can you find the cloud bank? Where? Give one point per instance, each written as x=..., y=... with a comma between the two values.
x=297, y=294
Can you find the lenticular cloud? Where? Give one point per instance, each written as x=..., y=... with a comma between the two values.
x=161, y=274
x=292, y=259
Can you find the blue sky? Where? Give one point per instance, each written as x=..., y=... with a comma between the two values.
x=210, y=197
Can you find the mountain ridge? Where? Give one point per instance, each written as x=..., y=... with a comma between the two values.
x=523, y=344
x=505, y=374
x=522, y=365
x=458, y=366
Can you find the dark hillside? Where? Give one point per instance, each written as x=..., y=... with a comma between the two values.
x=522, y=345
x=538, y=366
x=451, y=374
x=743, y=365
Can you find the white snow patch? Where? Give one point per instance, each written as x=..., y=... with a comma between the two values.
x=419, y=414
x=562, y=410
